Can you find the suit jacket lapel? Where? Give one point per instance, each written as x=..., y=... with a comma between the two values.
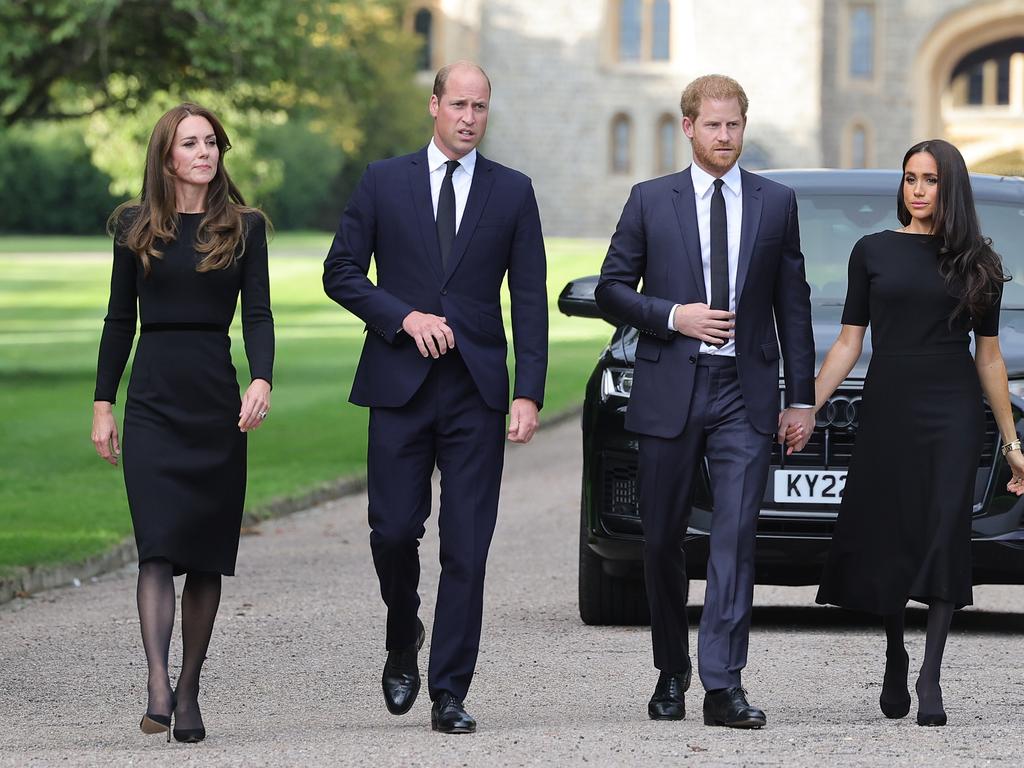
x=419, y=185
x=750, y=224
x=686, y=214
x=479, y=191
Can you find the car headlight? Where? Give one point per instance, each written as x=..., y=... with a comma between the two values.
x=616, y=382
x=1017, y=388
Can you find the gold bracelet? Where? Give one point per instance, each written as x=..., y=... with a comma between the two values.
x=1013, y=445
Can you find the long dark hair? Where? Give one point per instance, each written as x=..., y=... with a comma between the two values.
x=972, y=270
x=139, y=225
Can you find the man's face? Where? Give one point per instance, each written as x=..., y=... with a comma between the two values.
x=460, y=115
x=716, y=136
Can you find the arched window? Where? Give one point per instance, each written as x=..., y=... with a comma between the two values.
x=621, y=141
x=423, y=25
x=862, y=41
x=990, y=76
x=660, y=18
x=643, y=29
x=631, y=30
x=668, y=136
x=859, y=147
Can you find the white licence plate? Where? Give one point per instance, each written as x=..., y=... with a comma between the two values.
x=812, y=486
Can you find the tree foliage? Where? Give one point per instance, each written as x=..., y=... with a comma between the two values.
x=304, y=87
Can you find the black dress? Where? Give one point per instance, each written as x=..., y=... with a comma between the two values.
x=183, y=455
x=904, y=526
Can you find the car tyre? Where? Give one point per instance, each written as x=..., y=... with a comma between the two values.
x=606, y=599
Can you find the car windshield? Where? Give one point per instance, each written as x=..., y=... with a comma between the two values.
x=831, y=224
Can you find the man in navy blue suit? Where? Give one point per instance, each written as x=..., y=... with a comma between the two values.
x=724, y=295
x=444, y=226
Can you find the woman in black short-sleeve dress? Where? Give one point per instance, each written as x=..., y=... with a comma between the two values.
x=904, y=526
x=182, y=256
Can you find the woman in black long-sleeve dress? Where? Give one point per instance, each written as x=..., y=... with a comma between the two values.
x=182, y=256
x=904, y=527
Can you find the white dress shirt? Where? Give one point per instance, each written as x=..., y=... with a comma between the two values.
x=732, y=191
x=462, y=179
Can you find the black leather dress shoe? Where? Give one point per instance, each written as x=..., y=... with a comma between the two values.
x=401, y=678
x=668, y=701
x=449, y=716
x=729, y=707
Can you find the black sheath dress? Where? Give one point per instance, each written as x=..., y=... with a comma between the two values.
x=904, y=527
x=183, y=455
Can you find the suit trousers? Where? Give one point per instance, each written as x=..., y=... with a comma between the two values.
x=447, y=424
x=718, y=431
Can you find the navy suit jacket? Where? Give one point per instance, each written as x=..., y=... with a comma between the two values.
x=657, y=242
x=391, y=216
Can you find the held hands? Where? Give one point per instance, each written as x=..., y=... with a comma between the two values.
x=104, y=432
x=255, y=405
x=795, y=428
x=523, y=420
x=1015, y=460
x=714, y=326
x=431, y=333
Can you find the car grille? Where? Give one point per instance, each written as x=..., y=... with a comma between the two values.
x=619, y=491
x=832, y=446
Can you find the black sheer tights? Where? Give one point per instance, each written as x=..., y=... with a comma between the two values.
x=894, y=686
x=200, y=599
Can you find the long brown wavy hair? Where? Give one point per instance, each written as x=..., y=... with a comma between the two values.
x=142, y=226
x=972, y=270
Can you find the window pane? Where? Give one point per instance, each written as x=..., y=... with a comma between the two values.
x=859, y=148
x=1003, y=81
x=620, y=144
x=660, y=30
x=422, y=23
x=630, y=32
x=667, y=145
x=976, y=85
x=862, y=41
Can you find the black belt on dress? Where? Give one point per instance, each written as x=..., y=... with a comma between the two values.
x=160, y=327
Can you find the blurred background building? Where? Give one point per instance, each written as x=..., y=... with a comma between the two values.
x=586, y=92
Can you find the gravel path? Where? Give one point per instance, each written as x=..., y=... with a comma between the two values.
x=293, y=674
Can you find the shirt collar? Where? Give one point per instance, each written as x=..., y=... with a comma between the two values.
x=702, y=180
x=436, y=159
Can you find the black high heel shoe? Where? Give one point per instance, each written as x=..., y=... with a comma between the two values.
x=895, y=698
x=156, y=724
x=936, y=718
x=151, y=723
x=189, y=735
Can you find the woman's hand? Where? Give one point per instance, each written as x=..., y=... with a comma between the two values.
x=1015, y=459
x=255, y=405
x=104, y=432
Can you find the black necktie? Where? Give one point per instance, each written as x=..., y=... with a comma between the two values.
x=719, y=250
x=446, y=214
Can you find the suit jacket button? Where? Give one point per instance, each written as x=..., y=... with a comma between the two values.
x=444, y=291
x=693, y=359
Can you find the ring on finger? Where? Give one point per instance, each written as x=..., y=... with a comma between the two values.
x=262, y=414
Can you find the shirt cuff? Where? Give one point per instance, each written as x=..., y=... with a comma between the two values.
x=800, y=405
x=672, y=317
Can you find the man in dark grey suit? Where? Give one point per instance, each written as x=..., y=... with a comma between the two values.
x=718, y=252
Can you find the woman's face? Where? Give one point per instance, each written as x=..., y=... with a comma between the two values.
x=195, y=153
x=921, y=189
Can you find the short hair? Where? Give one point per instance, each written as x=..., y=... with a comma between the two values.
x=716, y=87
x=441, y=78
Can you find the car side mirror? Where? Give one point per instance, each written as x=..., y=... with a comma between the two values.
x=577, y=300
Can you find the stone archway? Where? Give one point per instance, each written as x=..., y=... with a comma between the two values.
x=980, y=134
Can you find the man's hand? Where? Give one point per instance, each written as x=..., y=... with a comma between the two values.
x=795, y=428
x=713, y=326
x=523, y=420
x=432, y=335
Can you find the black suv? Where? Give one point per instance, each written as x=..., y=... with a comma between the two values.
x=803, y=491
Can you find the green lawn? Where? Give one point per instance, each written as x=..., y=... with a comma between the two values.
x=59, y=502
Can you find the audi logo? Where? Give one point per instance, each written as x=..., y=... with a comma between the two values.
x=840, y=412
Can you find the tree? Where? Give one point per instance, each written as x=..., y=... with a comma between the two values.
x=69, y=58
